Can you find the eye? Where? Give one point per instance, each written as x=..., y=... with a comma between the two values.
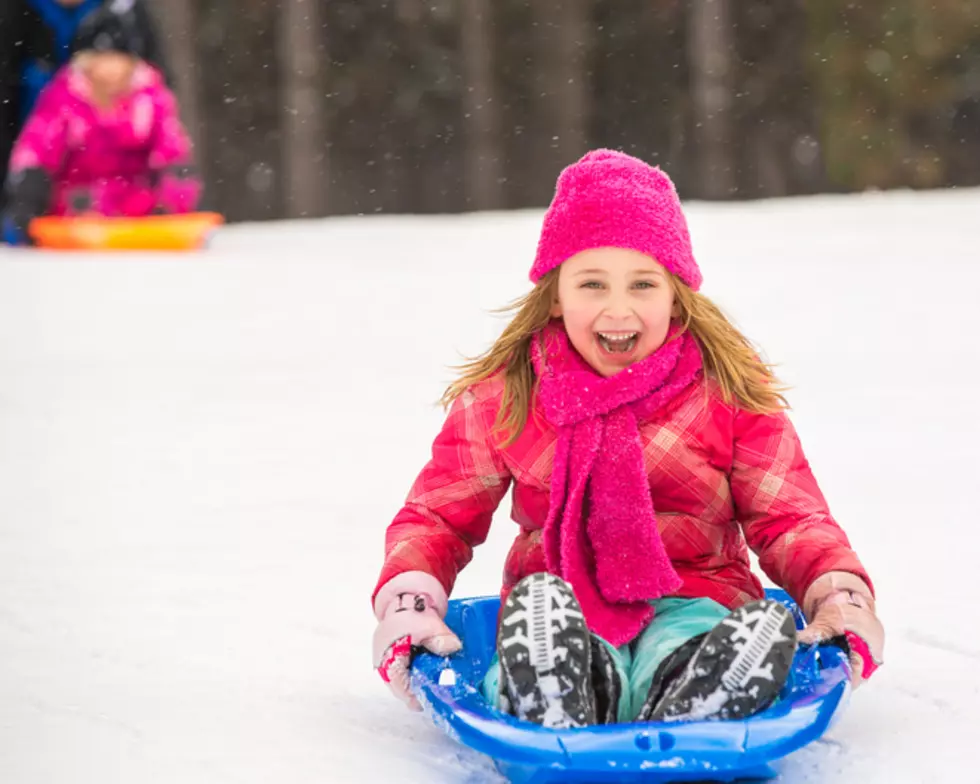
x=644, y=284
x=591, y=284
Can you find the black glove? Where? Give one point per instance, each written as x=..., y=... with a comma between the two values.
x=80, y=201
x=28, y=195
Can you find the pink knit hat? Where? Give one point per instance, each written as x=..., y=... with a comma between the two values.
x=610, y=199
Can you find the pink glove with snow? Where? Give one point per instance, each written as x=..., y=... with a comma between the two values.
x=409, y=608
x=840, y=604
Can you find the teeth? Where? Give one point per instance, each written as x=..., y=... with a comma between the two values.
x=617, y=336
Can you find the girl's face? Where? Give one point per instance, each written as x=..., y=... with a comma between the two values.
x=111, y=72
x=616, y=305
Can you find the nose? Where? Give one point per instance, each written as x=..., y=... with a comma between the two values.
x=618, y=305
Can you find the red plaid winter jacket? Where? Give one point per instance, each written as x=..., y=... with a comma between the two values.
x=720, y=478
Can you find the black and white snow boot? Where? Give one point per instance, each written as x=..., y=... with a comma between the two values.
x=545, y=655
x=735, y=671
x=607, y=686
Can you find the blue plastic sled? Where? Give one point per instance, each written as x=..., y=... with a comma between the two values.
x=449, y=690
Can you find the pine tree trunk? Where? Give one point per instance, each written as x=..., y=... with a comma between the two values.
x=560, y=97
x=484, y=151
x=304, y=159
x=178, y=25
x=710, y=53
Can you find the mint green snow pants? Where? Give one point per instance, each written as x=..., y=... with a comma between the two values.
x=676, y=621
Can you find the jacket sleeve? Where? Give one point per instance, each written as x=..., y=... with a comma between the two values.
x=42, y=142
x=450, y=506
x=178, y=185
x=782, y=512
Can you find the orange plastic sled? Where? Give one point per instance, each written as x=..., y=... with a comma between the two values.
x=153, y=232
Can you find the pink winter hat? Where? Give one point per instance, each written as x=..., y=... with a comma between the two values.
x=610, y=199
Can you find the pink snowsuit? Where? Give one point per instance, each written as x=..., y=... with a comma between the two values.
x=127, y=160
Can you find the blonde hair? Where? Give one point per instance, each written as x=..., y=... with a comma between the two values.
x=729, y=358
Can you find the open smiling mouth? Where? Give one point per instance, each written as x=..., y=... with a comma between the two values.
x=617, y=342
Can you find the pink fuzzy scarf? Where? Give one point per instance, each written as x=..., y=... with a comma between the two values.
x=601, y=532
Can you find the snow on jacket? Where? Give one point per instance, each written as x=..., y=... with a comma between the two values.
x=722, y=480
x=127, y=160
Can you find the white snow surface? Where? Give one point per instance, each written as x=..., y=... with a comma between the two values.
x=199, y=455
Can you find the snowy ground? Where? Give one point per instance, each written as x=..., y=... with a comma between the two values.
x=199, y=456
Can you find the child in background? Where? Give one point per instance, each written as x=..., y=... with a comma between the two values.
x=35, y=41
x=105, y=137
x=649, y=449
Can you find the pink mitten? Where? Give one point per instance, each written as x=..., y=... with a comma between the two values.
x=178, y=191
x=409, y=608
x=841, y=604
